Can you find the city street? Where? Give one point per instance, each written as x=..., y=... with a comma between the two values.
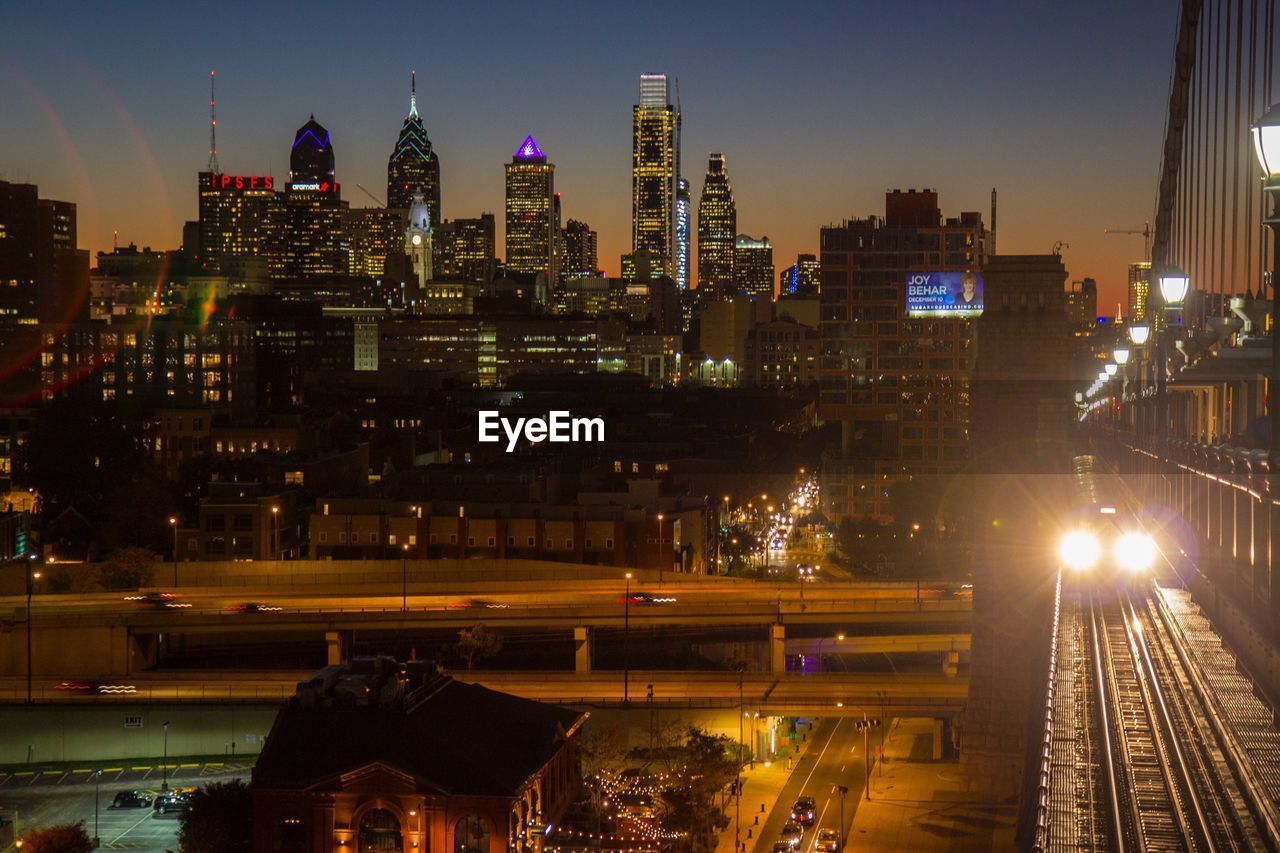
x=46, y=799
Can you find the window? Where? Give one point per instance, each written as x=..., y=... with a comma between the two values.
x=324, y=536
x=373, y=537
x=453, y=539
x=342, y=538
x=471, y=541
x=391, y=539
x=608, y=544
x=588, y=544
x=568, y=544
x=530, y=541
x=511, y=541
x=549, y=545
x=470, y=835
x=492, y=541
x=433, y=539
x=413, y=539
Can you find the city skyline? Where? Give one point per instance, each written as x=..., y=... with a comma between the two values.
x=97, y=131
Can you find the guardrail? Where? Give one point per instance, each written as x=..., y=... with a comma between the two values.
x=1041, y=838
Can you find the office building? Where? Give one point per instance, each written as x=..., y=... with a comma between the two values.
x=717, y=226
x=1139, y=291
x=682, y=234
x=653, y=172
x=781, y=355
x=531, y=232
x=898, y=385
x=414, y=166
x=314, y=243
x=236, y=217
x=375, y=236
x=580, y=258
x=465, y=249
x=804, y=277
x=46, y=277
x=753, y=266
x=1082, y=305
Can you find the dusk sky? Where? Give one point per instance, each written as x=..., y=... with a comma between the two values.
x=819, y=108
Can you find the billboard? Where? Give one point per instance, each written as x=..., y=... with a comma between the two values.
x=944, y=294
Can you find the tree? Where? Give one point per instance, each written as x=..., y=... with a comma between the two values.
x=66, y=838
x=128, y=568
x=701, y=764
x=478, y=641
x=219, y=820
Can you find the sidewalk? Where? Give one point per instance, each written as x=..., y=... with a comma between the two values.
x=920, y=804
x=761, y=785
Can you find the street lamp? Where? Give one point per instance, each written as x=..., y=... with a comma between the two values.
x=164, y=764
x=1121, y=355
x=275, y=533
x=1138, y=333
x=173, y=523
x=1174, y=284
x=662, y=555
x=1110, y=369
x=821, y=640
x=404, y=578
x=1266, y=143
x=626, y=643
x=842, y=790
x=32, y=577
x=97, y=796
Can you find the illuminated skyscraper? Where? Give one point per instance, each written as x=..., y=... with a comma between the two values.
x=314, y=242
x=236, y=213
x=804, y=276
x=1139, y=290
x=531, y=234
x=465, y=248
x=653, y=172
x=413, y=166
x=717, y=226
x=580, y=257
x=682, y=234
x=753, y=266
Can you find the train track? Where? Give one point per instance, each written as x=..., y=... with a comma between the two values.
x=1156, y=769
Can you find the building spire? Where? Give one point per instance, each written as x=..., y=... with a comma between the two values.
x=213, y=126
x=413, y=93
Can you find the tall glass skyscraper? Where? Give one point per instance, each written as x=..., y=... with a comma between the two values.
x=682, y=234
x=531, y=214
x=413, y=166
x=717, y=226
x=653, y=172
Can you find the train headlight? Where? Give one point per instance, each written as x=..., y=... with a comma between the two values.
x=1136, y=552
x=1079, y=550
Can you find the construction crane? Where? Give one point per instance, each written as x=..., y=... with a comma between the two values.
x=1144, y=231
x=365, y=190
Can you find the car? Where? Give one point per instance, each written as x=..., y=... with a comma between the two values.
x=828, y=841
x=157, y=600
x=782, y=847
x=792, y=833
x=805, y=811
x=642, y=598
x=171, y=801
x=86, y=687
x=130, y=800
x=253, y=607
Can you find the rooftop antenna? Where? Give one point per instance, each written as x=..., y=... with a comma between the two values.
x=413, y=93
x=213, y=126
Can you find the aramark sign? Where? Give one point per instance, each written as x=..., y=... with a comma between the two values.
x=944, y=294
x=557, y=427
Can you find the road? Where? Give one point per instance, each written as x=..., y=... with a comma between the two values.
x=49, y=799
x=834, y=758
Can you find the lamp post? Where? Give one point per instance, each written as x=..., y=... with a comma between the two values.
x=1174, y=284
x=1121, y=356
x=404, y=578
x=1266, y=144
x=737, y=782
x=1138, y=335
x=173, y=523
x=97, y=795
x=164, y=764
x=626, y=643
x=275, y=533
x=662, y=554
x=839, y=639
x=32, y=577
x=842, y=790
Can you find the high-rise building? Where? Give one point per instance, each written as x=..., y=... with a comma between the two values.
x=414, y=166
x=531, y=234
x=802, y=277
x=1139, y=291
x=653, y=172
x=899, y=385
x=753, y=266
x=376, y=234
x=45, y=277
x=236, y=216
x=465, y=250
x=1082, y=305
x=417, y=239
x=717, y=226
x=682, y=234
x=580, y=257
x=314, y=243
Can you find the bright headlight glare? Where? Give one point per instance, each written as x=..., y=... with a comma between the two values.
x=1135, y=551
x=1079, y=550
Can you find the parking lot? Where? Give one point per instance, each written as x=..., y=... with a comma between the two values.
x=43, y=798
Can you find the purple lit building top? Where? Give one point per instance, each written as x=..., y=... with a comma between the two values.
x=529, y=150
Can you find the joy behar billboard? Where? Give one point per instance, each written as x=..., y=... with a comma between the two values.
x=944, y=294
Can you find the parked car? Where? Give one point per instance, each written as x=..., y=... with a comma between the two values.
x=131, y=800
x=792, y=833
x=171, y=801
x=828, y=841
x=805, y=811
